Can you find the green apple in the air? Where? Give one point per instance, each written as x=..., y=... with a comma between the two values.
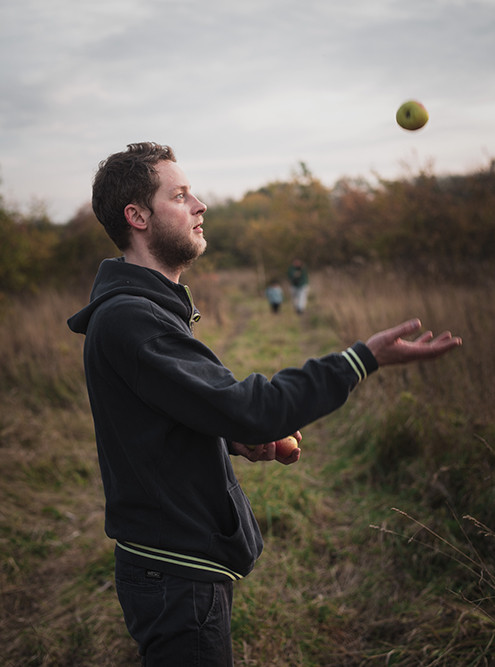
x=412, y=115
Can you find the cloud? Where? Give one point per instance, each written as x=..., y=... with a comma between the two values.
x=255, y=85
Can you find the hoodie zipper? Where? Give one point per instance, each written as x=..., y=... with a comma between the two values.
x=196, y=315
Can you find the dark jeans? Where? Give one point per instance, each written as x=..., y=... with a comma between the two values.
x=176, y=622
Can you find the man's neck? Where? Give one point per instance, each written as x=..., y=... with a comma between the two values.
x=147, y=260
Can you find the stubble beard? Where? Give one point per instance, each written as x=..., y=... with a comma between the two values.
x=172, y=251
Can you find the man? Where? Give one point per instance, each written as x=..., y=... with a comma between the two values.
x=168, y=415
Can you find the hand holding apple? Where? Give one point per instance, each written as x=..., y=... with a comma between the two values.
x=412, y=115
x=287, y=458
x=285, y=451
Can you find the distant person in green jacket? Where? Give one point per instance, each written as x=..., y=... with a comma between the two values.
x=299, y=285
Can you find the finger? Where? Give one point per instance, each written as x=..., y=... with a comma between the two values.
x=446, y=335
x=253, y=455
x=256, y=453
x=293, y=458
x=425, y=337
x=270, y=451
x=447, y=343
x=437, y=347
x=403, y=329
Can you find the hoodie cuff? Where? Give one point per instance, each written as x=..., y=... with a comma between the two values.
x=361, y=360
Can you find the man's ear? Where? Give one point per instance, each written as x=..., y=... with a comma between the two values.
x=137, y=216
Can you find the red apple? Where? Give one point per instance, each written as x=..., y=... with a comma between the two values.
x=285, y=446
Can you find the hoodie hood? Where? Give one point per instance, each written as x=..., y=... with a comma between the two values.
x=116, y=276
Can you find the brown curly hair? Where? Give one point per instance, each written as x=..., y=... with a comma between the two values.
x=126, y=178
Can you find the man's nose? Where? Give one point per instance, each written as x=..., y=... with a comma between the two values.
x=200, y=207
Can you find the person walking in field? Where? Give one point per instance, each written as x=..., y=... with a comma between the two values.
x=299, y=285
x=169, y=415
x=275, y=295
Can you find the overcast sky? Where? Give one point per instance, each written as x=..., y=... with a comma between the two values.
x=243, y=90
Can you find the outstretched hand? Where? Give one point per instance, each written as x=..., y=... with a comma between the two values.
x=268, y=452
x=389, y=348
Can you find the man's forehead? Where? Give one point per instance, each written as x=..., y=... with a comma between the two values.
x=171, y=175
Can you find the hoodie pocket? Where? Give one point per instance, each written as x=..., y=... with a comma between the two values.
x=240, y=550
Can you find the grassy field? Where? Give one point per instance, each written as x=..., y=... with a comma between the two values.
x=369, y=559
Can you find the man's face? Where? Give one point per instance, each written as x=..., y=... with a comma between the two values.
x=176, y=234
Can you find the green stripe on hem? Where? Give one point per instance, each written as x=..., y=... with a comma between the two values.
x=170, y=557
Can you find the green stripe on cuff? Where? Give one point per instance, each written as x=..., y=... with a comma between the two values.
x=350, y=361
x=356, y=356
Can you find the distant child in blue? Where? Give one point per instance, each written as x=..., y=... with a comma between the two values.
x=275, y=295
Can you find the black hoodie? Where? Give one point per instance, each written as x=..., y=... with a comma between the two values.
x=165, y=408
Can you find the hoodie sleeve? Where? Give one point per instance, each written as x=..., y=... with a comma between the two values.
x=177, y=375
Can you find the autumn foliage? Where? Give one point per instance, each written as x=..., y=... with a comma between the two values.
x=421, y=220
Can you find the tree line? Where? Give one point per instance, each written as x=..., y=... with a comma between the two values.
x=420, y=220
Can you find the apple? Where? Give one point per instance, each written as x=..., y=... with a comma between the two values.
x=412, y=115
x=283, y=447
x=286, y=446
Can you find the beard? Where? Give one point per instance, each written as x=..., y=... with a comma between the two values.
x=173, y=251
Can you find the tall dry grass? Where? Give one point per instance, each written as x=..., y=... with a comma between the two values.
x=328, y=590
x=40, y=359
x=373, y=299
